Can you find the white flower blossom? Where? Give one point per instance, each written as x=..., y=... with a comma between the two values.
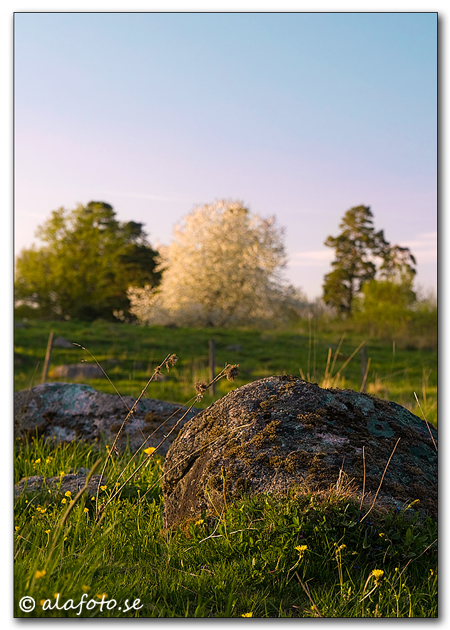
x=223, y=268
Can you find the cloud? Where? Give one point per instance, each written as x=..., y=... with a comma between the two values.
x=317, y=258
x=423, y=247
x=164, y=198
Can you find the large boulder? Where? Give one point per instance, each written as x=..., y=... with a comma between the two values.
x=71, y=411
x=281, y=432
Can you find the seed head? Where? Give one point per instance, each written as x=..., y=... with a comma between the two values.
x=171, y=361
x=232, y=371
x=200, y=388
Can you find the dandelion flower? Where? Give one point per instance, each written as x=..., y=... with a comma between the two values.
x=199, y=522
x=377, y=574
x=85, y=588
x=102, y=487
x=63, y=500
x=250, y=614
x=40, y=574
x=149, y=450
x=68, y=494
x=47, y=531
x=101, y=595
x=86, y=510
x=37, y=461
x=301, y=548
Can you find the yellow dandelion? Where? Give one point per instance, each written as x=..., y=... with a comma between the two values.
x=250, y=614
x=92, y=498
x=149, y=450
x=381, y=535
x=301, y=548
x=40, y=574
x=102, y=487
x=86, y=510
x=37, y=461
x=17, y=527
x=377, y=574
x=47, y=531
x=101, y=595
x=85, y=588
x=199, y=522
x=63, y=500
x=62, y=474
x=342, y=547
x=68, y=494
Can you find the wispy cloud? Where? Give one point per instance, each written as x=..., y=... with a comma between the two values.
x=423, y=247
x=164, y=198
x=315, y=258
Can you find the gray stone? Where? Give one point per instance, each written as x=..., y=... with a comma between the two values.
x=71, y=411
x=77, y=371
x=281, y=433
x=60, y=342
x=72, y=482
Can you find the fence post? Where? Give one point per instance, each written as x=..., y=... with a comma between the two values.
x=48, y=354
x=212, y=364
x=364, y=368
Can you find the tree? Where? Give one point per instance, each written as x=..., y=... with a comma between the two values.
x=384, y=308
x=357, y=248
x=86, y=264
x=222, y=268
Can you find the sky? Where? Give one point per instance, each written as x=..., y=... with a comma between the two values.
x=298, y=115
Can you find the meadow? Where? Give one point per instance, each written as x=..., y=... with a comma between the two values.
x=318, y=353
x=308, y=555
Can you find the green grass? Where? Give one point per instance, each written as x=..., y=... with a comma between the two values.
x=305, y=555
x=129, y=354
x=302, y=556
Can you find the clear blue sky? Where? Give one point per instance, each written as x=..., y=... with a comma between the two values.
x=299, y=115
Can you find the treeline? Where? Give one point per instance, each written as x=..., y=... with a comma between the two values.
x=224, y=267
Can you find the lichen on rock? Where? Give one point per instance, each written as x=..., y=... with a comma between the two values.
x=282, y=432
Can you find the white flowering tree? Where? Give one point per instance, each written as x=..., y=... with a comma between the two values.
x=223, y=268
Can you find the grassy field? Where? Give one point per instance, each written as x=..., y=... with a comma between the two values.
x=308, y=555
x=128, y=354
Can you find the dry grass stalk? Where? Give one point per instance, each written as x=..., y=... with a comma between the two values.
x=306, y=589
x=382, y=477
x=428, y=426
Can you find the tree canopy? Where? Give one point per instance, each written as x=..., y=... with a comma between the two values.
x=86, y=264
x=357, y=249
x=223, y=268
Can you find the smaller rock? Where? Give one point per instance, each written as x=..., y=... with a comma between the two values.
x=63, y=412
x=73, y=482
x=60, y=342
x=77, y=371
